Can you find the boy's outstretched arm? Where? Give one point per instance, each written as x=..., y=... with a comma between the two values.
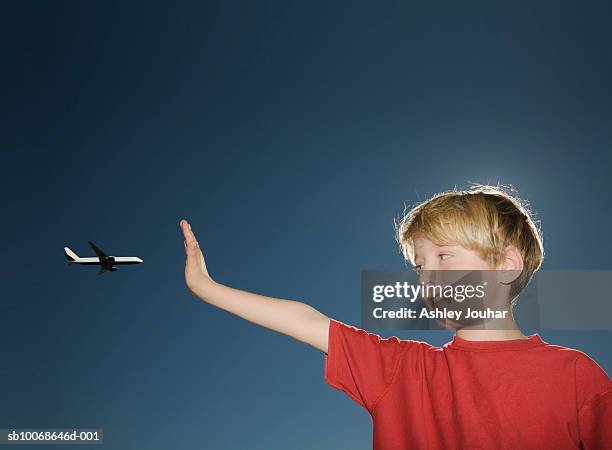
x=290, y=317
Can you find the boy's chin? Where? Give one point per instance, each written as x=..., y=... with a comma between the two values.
x=449, y=305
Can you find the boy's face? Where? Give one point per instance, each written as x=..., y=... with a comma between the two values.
x=429, y=256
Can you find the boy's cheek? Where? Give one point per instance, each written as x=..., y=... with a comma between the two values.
x=462, y=264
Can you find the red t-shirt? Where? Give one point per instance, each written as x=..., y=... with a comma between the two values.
x=513, y=394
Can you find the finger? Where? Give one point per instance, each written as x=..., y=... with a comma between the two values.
x=192, y=248
x=189, y=245
x=192, y=254
x=189, y=236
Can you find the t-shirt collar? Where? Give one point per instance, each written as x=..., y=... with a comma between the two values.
x=532, y=340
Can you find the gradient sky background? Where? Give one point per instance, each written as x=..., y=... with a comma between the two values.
x=290, y=134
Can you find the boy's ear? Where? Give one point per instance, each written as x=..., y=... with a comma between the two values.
x=512, y=263
x=513, y=260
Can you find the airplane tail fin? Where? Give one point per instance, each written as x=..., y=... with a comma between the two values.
x=70, y=255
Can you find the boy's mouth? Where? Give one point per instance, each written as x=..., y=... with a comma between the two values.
x=436, y=302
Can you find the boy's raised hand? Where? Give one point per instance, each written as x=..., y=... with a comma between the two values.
x=196, y=274
x=290, y=317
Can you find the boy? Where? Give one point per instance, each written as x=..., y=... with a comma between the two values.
x=485, y=389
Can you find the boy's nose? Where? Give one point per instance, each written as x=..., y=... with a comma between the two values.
x=428, y=277
x=425, y=277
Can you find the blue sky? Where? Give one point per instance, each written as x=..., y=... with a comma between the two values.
x=290, y=134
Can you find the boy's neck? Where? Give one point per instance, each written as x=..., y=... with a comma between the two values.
x=498, y=330
x=490, y=335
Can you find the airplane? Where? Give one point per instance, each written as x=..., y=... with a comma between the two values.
x=103, y=260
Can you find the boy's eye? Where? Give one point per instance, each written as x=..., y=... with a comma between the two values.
x=444, y=254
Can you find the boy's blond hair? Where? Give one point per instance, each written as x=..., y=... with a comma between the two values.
x=485, y=219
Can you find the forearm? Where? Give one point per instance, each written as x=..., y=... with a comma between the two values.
x=289, y=317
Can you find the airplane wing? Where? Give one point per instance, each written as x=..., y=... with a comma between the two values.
x=103, y=256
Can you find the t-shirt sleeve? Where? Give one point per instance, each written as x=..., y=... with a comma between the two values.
x=595, y=422
x=594, y=398
x=359, y=363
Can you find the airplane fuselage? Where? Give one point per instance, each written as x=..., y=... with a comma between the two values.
x=106, y=262
x=111, y=259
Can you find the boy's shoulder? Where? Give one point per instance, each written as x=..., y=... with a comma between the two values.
x=580, y=358
x=591, y=381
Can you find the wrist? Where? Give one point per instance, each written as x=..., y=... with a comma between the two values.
x=203, y=287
